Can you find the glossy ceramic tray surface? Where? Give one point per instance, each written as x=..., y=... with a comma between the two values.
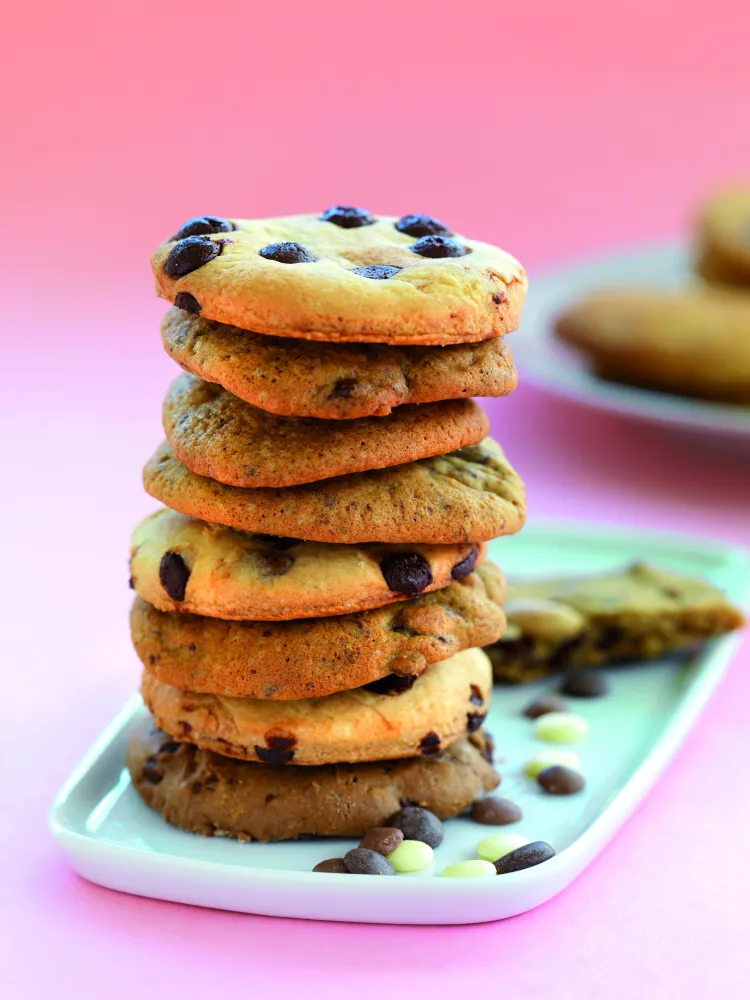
x=546, y=361
x=111, y=838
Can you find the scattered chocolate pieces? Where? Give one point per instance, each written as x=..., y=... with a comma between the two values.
x=334, y=866
x=418, y=824
x=559, y=780
x=545, y=704
x=495, y=811
x=585, y=684
x=382, y=839
x=362, y=861
x=524, y=857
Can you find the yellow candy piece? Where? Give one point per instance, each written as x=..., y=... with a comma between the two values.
x=534, y=767
x=494, y=847
x=469, y=869
x=411, y=856
x=560, y=727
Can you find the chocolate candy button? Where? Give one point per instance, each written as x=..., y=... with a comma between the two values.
x=335, y=866
x=439, y=246
x=203, y=225
x=174, y=575
x=406, y=573
x=524, y=857
x=585, y=684
x=559, y=780
x=383, y=839
x=495, y=811
x=347, y=216
x=379, y=272
x=422, y=225
x=542, y=706
x=418, y=824
x=360, y=861
x=287, y=253
x=190, y=254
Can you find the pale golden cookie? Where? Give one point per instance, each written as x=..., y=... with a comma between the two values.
x=205, y=793
x=303, y=378
x=449, y=700
x=470, y=495
x=723, y=250
x=313, y=657
x=179, y=563
x=218, y=435
x=304, y=276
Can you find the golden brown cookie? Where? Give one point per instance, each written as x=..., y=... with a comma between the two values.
x=308, y=276
x=218, y=435
x=313, y=657
x=470, y=495
x=179, y=563
x=695, y=342
x=723, y=252
x=212, y=795
x=448, y=701
x=334, y=381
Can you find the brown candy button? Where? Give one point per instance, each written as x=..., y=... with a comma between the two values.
x=382, y=839
x=422, y=225
x=379, y=272
x=439, y=246
x=347, y=216
x=585, y=684
x=495, y=811
x=559, y=780
x=543, y=706
x=190, y=254
x=204, y=225
x=524, y=857
x=418, y=824
x=287, y=253
x=334, y=866
x=362, y=861
x=174, y=575
x=406, y=573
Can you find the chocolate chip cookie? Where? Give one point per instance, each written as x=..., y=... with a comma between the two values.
x=301, y=378
x=470, y=495
x=723, y=252
x=213, y=795
x=449, y=700
x=638, y=613
x=308, y=276
x=387, y=648
x=218, y=435
x=179, y=563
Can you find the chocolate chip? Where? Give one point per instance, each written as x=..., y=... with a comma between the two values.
x=188, y=302
x=475, y=695
x=524, y=857
x=197, y=787
x=169, y=747
x=174, y=575
x=488, y=748
x=334, y=866
x=417, y=823
x=559, y=780
x=584, y=684
x=474, y=721
x=347, y=216
x=565, y=654
x=278, y=750
x=422, y=225
x=277, y=541
x=542, y=706
x=360, y=861
x=287, y=253
x=273, y=563
x=439, y=246
x=610, y=637
x=377, y=271
x=406, y=573
x=497, y=299
x=203, y=225
x=343, y=389
x=382, y=839
x=391, y=684
x=131, y=584
x=466, y=566
x=495, y=811
x=190, y=254
x=429, y=744
x=151, y=775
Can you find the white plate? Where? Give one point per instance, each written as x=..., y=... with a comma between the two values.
x=545, y=361
x=111, y=838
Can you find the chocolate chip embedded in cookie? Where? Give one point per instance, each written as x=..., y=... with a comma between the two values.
x=469, y=495
x=331, y=381
x=216, y=434
x=352, y=726
x=209, y=794
x=385, y=649
x=302, y=276
x=180, y=563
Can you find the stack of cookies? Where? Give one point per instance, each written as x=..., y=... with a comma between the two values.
x=312, y=597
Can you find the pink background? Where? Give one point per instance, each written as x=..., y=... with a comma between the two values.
x=555, y=129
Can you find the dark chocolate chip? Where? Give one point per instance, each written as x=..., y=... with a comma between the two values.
x=474, y=721
x=287, y=253
x=377, y=271
x=188, y=302
x=360, y=861
x=584, y=684
x=278, y=750
x=343, y=389
x=418, y=824
x=190, y=254
x=466, y=566
x=174, y=575
x=544, y=705
x=422, y=225
x=169, y=747
x=495, y=811
x=497, y=299
x=151, y=775
x=277, y=541
x=559, y=780
x=429, y=744
x=439, y=246
x=382, y=839
x=197, y=787
x=392, y=684
x=334, y=866
x=271, y=564
x=565, y=654
x=488, y=748
x=347, y=216
x=524, y=857
x=203, y=225
x=475, y=695
x=406, y=573
x=610, y=637
x=131, y=584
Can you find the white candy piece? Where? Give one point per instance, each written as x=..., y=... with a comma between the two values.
x=468, y=869
x=561, y=727
x=499, y=844
x=534, y=767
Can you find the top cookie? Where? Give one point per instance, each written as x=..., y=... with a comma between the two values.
x=342, y=276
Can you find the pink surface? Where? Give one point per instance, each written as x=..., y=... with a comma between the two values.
x=554, y=129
